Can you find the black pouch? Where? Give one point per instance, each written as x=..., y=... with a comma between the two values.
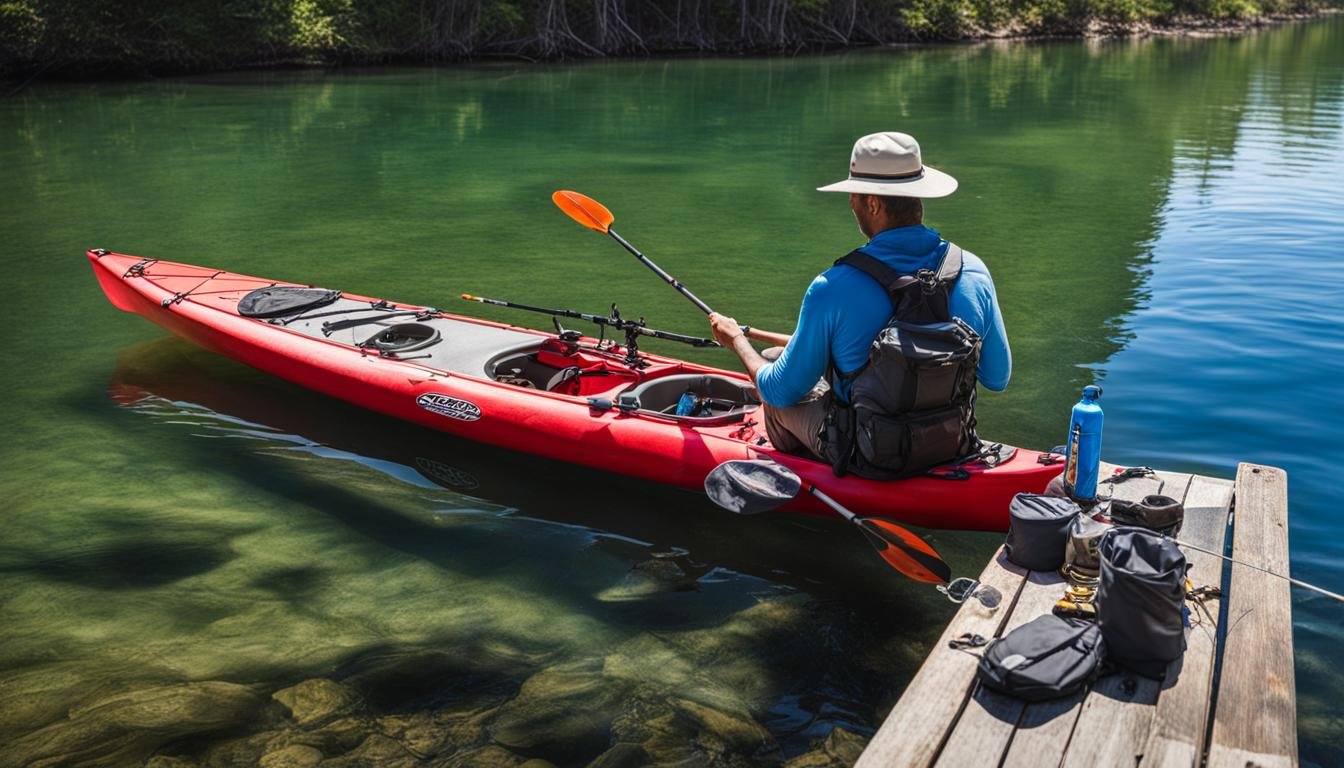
x=1038, y=530
x=1140, y=600
x=1156, y=513
x=905, y=445
x=1045, y=658
x=281, y=300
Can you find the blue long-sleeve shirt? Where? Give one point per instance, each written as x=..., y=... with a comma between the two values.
x=844, y=309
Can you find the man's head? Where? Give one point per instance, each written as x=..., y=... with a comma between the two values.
x=878, y=213
x=887, y=180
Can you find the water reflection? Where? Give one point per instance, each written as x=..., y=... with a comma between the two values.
x=1236, y=356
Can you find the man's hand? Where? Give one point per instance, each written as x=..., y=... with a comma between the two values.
x=726, y=330
x=728, y=333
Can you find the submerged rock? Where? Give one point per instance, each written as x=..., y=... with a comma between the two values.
x=622, y=755
x=36, y=696
x=127, y=727
x=676, y=730
x=720, y=731
x=666, y=572
x=340, y=735
x=491, y=756
x=376, y=750
x=565, y=709
x=420, y=733
x=840, y=749
x=245, y=750
x=292, y=756
x=313, y=701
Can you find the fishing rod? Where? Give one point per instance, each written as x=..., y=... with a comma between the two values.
x=632, y=329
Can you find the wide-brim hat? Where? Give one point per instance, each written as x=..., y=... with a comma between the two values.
x=889, y=164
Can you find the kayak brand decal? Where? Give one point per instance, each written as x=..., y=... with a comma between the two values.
x=452, y=407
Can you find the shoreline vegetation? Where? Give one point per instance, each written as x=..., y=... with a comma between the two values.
x=118, y=38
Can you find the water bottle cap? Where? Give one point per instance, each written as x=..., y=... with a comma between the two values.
x=1091, y=392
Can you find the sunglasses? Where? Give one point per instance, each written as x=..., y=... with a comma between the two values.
x=963, y=589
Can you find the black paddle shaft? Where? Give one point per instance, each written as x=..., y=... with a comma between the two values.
x=659, y=271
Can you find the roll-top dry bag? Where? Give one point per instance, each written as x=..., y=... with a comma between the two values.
x=1038, y=530
x=1155, y=512
x=1140, y=599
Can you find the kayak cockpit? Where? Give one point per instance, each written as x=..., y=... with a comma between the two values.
x=696, y=398
x=662, y=391
x=565, y=364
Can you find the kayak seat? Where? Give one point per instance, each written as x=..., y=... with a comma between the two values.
x=717, y=399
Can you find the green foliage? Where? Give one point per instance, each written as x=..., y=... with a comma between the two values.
x=20, y=28
x=88, y=36
x=500, y=17
x=1058, y=16
x=993, y=14
x=321, y=25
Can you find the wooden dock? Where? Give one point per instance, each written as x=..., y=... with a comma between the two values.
x=1229, y=702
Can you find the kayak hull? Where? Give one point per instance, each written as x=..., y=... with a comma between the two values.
x=199, y=305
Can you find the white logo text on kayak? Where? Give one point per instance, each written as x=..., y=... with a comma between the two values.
x=452, y=407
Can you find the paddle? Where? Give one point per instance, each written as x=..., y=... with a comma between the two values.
x=596, y=217
x=748, y=487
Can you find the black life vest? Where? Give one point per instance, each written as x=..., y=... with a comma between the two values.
x=912, y=405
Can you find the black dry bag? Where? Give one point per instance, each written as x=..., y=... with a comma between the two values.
x=1156, y=513
x=1045, y=658
x=1038, y=530
x=1140, y=599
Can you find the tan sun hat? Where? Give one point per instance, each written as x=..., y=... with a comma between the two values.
x=888, y=164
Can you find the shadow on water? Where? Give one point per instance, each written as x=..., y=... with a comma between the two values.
x=142, y=563
x=676, y=537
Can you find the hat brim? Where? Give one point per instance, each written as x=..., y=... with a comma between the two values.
x=931, y=183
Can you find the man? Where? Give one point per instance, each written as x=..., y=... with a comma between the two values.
x=844, y=309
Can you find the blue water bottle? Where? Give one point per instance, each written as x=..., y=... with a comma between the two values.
x=686, y=405
x=1084, y=453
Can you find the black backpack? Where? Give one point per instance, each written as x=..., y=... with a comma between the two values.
x=912, y=405
x=1048, y=657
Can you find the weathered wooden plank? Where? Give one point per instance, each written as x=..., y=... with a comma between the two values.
x=1113, y=720
x=1176, y=737
x=1043, y=732
x=985, y=727
x=915, y=729
x=1255, y=716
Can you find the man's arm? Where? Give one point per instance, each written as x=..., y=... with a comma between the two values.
x=728, y=333
x=787, y=380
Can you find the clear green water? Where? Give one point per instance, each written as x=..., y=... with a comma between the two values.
x=1162, y=216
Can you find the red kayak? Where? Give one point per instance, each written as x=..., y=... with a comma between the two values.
x=576, y=399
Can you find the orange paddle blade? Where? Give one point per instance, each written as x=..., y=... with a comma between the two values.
x=584, y=210
x=905, y=551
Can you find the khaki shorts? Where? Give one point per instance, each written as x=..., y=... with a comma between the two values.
x=797, y=429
